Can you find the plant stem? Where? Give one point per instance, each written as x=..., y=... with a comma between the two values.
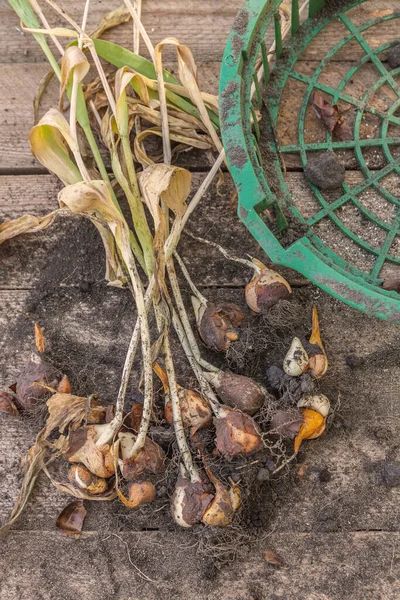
x=223, y=251
x=192, y=286
x=140, y=27
x=205, y=387
x=177, y=417
x=184, y=318
x=141, y=331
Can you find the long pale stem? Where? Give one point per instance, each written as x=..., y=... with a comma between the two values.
x=177, y=416
x=205, y=387
x=192, y=286
x=184, y=318
x=140, y=27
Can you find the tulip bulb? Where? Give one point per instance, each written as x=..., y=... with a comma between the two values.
x=151, y=458
x=141, y=492
x=296, y=359
x=237, y=391
x=190, y=500
x=82, y=448
x=236, y=433
x=220, y=511
x=195, y=410
x=312, y=427
x=317, y=402
x=82, y=478
x=265, y=289
x=217, y=323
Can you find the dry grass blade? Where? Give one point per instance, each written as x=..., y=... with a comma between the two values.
x=36, y=458
x=110, y=20
x=73, y=61
x=25, y=224
x=188, y=77
x=40, y=90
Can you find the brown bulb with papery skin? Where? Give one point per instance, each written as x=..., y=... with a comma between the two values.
x=82, y=478
x=236, y=433
x=217, y=323
x=190, y=499
x=266, y=288
x=7, y=404
x=37, y=380
x=141, y=492
x=237, y=391
x=195, y=410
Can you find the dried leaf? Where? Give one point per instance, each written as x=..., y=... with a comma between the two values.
x=41, y=88
x=273, y=558
x=39, y=338
x=7, y=404
x=73, y=61
x=72, y=517
x=93, y=200
x=25, y=224
x=328, y=114
x=333, y=121
x=34, y=462
x=188, y=77
x=66, y=411
x=167, y=183
x=312, y=427
x=111, y=19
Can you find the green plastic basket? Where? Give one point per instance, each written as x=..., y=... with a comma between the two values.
x=241, y=94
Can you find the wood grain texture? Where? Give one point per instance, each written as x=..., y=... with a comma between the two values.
x=357, y=566
x=18, y=84
x=204, y=26
x=215, y=218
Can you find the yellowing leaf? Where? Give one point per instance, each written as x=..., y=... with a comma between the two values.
x=75, y=61
x=25, y=224
x=50, y=140
x=313, y=426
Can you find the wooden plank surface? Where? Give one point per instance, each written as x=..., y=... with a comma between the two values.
x=349, y=566
x=163, y=19
x=334, y=518
x=18, y=84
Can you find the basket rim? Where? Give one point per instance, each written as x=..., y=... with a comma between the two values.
x=238, y=64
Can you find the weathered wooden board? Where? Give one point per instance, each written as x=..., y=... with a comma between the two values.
x=215, y=218
x=47, y=566
x=206, y=41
